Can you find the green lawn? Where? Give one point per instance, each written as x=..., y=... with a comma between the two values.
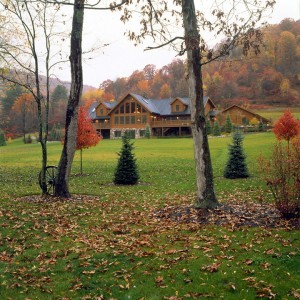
x=114, y=248
x=274, y=113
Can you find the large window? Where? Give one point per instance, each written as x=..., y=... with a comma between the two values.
x=144, y=119
x=122, y=109
x=132, y=119
x=121, y=120
x=116, y=120
x=127, y=108
x=127, y=119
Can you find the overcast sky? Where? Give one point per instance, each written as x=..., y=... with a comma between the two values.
x=121, y=57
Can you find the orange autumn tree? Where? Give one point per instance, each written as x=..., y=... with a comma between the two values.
x=86, y=134
x=286, y=127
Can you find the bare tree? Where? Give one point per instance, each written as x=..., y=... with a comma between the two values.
x=234, y=21
x=27, y=27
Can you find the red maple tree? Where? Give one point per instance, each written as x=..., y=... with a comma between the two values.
x=87, y=135
x=286, y=127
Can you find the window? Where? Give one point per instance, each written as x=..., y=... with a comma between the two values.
x=143, y=110
x=122, y=109
x=132, y=119
x=144, y=119
x=138, y=108
x=101, y=111
x=118, y=133
x=121, y=120
x=117, y=111
x=127, y=120
x=177, y=107
x=132, y=107
x=127, y=108
x=116, y=120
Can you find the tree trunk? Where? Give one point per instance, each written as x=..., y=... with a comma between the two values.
x=80, y=161
x=206, y=197
x=67, y=155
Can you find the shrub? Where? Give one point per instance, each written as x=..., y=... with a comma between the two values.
x=282, y=176
x=236, y=166
x=126, y=171
x=2, y=139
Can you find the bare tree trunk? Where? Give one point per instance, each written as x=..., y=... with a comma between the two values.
x=80, y=161
x=206, y=197
x=66, y=159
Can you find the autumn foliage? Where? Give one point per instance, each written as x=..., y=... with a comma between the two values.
x=86, y=134
x=286, y=127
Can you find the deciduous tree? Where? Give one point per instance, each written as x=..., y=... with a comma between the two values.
x=86, y=134
x=26, y=27
x=286, y=127
x=236, y=22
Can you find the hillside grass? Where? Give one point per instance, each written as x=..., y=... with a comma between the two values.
x=113, y=247
x=274, y=113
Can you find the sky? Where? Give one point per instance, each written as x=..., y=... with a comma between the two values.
x=120, y=58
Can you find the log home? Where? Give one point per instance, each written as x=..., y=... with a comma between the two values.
x=240, y=116
x=165, y=117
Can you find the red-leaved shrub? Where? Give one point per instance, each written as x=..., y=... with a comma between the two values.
x=282, y=175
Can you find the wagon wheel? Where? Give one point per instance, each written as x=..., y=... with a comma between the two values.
x=50, y=179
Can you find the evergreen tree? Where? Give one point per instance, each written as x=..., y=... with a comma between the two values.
x=2, y=139
x=148, y=132
x=126, y=171
x=216, y=131
x=60, y=93
x=228, y=125
x=236, y=166
x=261, y=126
x=208, y=127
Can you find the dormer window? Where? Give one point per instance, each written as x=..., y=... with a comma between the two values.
x=177, y=108
x=101, y=111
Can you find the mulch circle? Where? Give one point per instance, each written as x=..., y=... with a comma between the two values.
x=234, y=214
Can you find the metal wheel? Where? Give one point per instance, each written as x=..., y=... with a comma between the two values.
x=50, y=179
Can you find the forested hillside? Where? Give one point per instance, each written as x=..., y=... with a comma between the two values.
x=270, y=78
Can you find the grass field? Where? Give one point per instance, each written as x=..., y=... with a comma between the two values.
x=274, y=113
x=113, y=247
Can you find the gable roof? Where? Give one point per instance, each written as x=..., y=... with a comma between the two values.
x=161, y=106
x=246, y=110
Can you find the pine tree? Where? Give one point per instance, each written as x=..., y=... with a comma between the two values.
x=228, y=125
x=216, y=131
x=208, y=127
x=148, y=132
x=2, y=139
x=126, y=171
x=236, y=166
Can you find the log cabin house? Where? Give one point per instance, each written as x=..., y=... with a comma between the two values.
x=165, y=117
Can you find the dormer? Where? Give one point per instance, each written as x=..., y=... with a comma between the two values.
x=178, y=105
x=102, y=110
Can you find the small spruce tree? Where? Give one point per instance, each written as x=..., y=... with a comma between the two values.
x=126, y=171
x=228, y=125
x=217, y=130
x=261, y=127
x=208, y=127
x=148, y=132
x=2, y=139
x=236, y=166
